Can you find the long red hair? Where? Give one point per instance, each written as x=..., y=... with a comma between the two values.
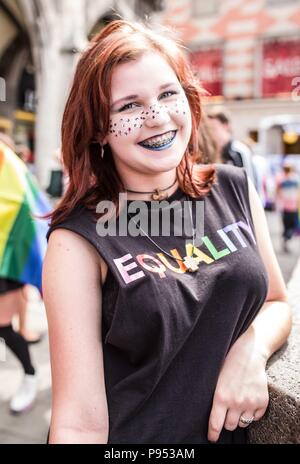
x=87, y=112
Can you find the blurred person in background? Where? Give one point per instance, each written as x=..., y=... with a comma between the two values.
x=24, y=152
x=208, y=150
x=58, y=176
x=22, y=249
x=288, y=201
x=21, y=321
x=21, y=316
x=230, y=151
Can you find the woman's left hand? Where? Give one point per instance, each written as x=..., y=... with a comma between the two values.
x=241, y=391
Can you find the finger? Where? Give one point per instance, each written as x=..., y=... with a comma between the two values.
x=216, y=421
x=232, y=419
x=259, y=413
x=246, y=415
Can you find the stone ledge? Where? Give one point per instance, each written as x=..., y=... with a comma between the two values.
x=281, y=423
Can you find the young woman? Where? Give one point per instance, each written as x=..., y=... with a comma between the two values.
x=154, y=338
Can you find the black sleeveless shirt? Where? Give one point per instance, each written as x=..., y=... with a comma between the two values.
x=166, y=331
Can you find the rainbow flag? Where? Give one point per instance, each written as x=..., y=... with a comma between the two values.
x=22, y=237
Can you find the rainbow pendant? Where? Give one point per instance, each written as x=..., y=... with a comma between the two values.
x=191, y=264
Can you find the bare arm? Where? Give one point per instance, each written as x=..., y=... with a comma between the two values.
x=242, y=387
x=72, y=295
x=272, y=325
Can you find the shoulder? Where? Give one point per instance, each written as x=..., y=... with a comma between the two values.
x=232, y=186
x=78, y=220
x=70, y=233
x=228, y=174
x=73, y=240
x=70, y=256
x=241, y=147
x=69, y=248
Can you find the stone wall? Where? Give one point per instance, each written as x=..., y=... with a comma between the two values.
x=281, y=423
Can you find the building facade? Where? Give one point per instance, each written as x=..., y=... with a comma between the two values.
x=247, y=55
x=40, y=42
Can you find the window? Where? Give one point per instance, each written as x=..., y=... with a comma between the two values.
x=205, y=8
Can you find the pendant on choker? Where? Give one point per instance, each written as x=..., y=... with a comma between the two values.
x=158, y=195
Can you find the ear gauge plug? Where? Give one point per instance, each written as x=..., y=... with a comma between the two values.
x=102, y=151
x=96, y=141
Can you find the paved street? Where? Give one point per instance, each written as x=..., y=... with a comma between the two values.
x=32, y=427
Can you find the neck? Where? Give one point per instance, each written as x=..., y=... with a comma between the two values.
x=218, y=156
x=164, y=181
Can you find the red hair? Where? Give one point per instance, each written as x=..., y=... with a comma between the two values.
x=87, y=113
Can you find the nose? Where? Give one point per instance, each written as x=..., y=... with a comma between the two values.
x=158, y=115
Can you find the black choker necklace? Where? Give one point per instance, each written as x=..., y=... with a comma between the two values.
x=156, y=194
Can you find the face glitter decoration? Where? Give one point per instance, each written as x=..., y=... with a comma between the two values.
x=150, y=118
x=122, y=127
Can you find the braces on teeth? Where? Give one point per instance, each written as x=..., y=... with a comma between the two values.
x=158, y=143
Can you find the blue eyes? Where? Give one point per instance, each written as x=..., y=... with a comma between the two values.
x=128, y=106
x=132, y=105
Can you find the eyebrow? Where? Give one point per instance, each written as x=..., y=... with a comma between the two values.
x=133, y=97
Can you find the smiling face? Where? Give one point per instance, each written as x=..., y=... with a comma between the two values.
x=150, y=118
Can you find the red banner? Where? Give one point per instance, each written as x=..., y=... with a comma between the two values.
x=209, y=66
x=281, y=63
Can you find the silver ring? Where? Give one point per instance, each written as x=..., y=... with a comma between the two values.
x=245, y=421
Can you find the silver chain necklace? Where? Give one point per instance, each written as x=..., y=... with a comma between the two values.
x=189, y=261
